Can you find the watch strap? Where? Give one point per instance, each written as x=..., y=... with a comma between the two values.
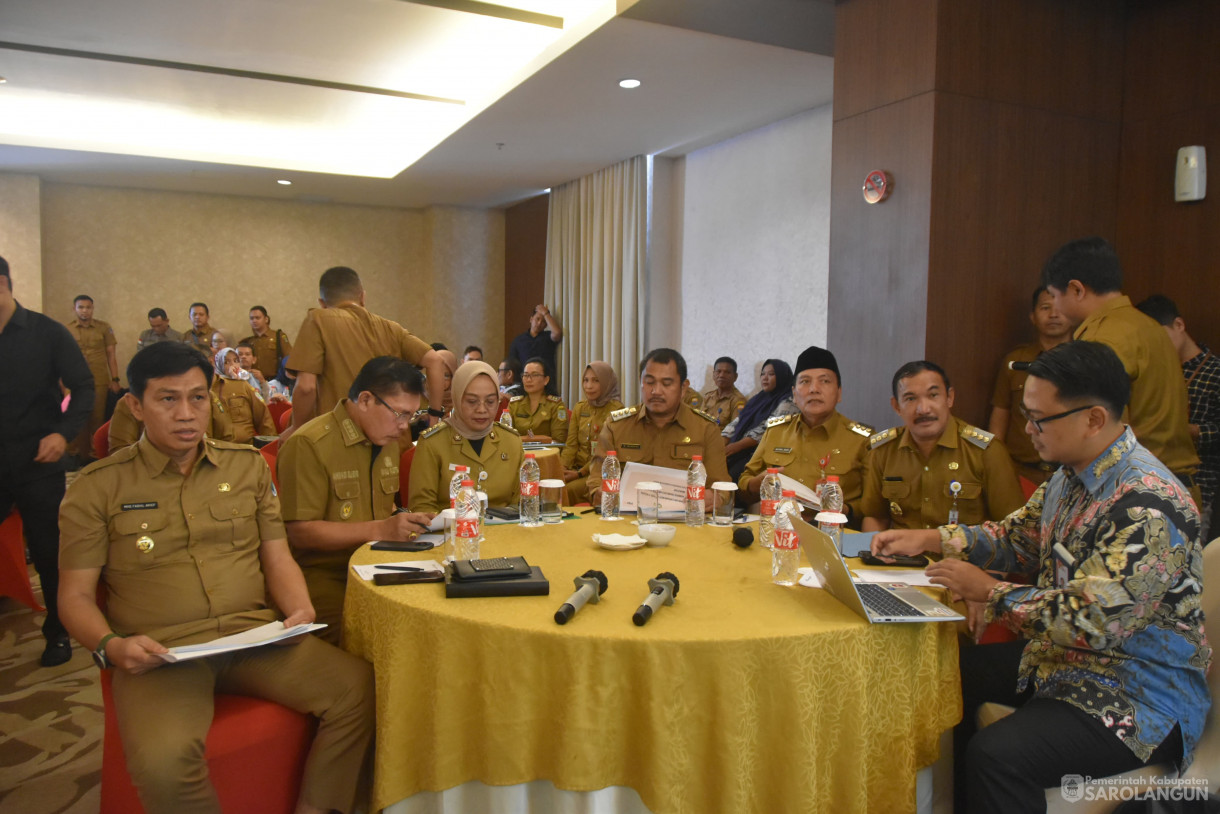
x=432, y=411
x=100, y=651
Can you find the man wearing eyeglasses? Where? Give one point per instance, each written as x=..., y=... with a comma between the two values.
x=1110, y=671
x=338, y=476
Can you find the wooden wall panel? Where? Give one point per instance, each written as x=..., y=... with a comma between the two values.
x=1171, y=64
x=885, y=51
x=525, y=226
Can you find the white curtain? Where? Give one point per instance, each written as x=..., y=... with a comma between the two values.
x=596, y=273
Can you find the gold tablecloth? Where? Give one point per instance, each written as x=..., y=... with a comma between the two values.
x=743, y=696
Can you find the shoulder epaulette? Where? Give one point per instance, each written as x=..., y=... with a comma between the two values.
x=433, y=430
x=860, y=429
x=776, y=420
x=511, y=429
x=702, y=414
x=515, y=398
x=555, y=399
x=116, y=457
x=626, y=412
x=980, y=438
x=883, y=437
x=218, y=444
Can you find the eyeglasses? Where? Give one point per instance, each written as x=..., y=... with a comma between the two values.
x=404, y=418
x=532, y=375
x=1038, y=422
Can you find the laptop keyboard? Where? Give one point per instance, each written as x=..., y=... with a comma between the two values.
x=883, y=603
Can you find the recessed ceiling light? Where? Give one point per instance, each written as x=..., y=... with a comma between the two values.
x=629, y=83
x=285, y=182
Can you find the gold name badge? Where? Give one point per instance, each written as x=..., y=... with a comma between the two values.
x=895, y=509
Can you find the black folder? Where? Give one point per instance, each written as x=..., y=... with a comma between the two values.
x=533, y=584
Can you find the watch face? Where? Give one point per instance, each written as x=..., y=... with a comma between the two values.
x=100, y=660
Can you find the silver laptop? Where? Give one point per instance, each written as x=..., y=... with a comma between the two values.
x=878, y=603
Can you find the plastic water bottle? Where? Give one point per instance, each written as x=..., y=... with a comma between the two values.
x=531, y=500
x=832, y=503
x=506, y=417
x=696, y=480
x=455, y=483
x=770, y=493
x=610, y=476
x=466, y=524
x=785, y=549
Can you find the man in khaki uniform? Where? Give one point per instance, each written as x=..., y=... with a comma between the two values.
x=184, y=532
x=270, y=346
x=125, y=428
x=338, y=478
x=1085, y=279
x=158, y=330
x=691, y=397
x=200, y=334
x=918, y=475
x=662, y=431
x=724, y=401
x=96, y=340
x=337, y=339
x=818, y=441
x=1007, y=420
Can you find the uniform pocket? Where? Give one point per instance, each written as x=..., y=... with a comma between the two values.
x=135, y=536
x=235, y=519
x=895, y=489
x=685, y=452
x=970, y=491
x=346, y=488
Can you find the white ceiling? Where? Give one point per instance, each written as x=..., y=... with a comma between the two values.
x=566, y=120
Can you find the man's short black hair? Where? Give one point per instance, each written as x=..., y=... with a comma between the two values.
x=914, y=369
x=164, y=359
x=1160, y=308
x=1091, y=260
x=156, y=313
x=728, y=360
x=385, y=376
x=1084, y=371
x=439, y=346
x=515, y=367
x=663, y=356
x=1038, y=292
x=469, y=348
x=250, y=346
x=202, y=305
x=339, y=284
x=80, y=297
x=262, y=310
x=5, y=273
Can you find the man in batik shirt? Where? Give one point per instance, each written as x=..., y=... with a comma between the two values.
x=1113, y=675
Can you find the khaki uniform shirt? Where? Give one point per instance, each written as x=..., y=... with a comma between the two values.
x=693, y=399
x=584, y=425
x=125, y=430
x=900, y=486
x=267, y=359
x=179, y=553
x=150, y=337
x=636, y=439
x=837, y=446
x=246, y=411
x=93, y=340
x=495, y=469
x=724, y=409
x=1159, y=411
x=334, y=343
x=327, y=472
x=551, y=417
x=1009, y=390
x=200, y=339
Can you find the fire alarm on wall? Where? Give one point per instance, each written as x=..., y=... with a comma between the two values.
x=877, y=186
x=1190, y=181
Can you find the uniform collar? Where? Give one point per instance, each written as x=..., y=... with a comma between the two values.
x=157, y=462
x=830, y=426
x=348, y=426
x=206, y=330
x=684, y=418
x=947, y=439
x=1104, y=310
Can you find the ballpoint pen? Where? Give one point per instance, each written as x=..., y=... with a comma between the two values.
x=398, y=568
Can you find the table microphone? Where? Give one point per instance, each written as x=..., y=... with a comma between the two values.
x=589, y=588
x=742, y=537
x=1018, y=365
x=664, y=589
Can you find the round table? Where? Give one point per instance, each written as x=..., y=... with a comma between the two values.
x=743, y=696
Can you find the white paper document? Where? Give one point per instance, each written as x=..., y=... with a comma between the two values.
x=672, y=482
x=907, y=576
x=803, y=493
x=255, y=637
x=366, y=572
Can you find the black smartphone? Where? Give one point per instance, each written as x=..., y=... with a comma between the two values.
x=892, y=561
x=391, y=545
x=408, y=578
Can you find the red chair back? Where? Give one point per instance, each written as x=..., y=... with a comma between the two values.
x=14, y=573
x=269, y=454
x=277, y=410
x=404, y=475
x=101, y=441
x=283, y=419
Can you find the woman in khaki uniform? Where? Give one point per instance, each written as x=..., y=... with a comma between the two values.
x=602, y=397
x=470, y=437
x=536, y=415
x=245, y=407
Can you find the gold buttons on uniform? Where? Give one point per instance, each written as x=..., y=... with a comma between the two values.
x=953, y=465
x=145, y=544
x=224, y=487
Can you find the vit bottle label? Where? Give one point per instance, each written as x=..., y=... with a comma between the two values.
x=609, y=484
x=785, y=540
x=529, y=488
x=694, y=493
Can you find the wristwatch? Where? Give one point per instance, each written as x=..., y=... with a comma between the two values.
x=114, y=379
x=99, y=653
x=432, y=411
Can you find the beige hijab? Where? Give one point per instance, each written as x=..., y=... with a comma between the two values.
x=609, y=381
x=462, y=378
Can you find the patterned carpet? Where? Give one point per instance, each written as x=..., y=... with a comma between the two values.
x=50, y=722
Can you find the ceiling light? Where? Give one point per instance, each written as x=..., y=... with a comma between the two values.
x=629, y=83
x=284, y=182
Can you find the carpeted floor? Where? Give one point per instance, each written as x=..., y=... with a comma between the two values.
x=50, y=721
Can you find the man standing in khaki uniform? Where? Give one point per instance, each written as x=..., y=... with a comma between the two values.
x=662, y=431
x=200, y=334
x=1007, y=420
x=158, y=330
x=1086, y=281
x=185, y=534
x=725, y=401
x=338, y=478
x=935, y=466
x=96, y=340
x=337, y=339
x=816, y=442
x=270, y=346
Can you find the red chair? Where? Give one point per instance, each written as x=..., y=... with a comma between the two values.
x=14, y=573
x=1028, y=487
x=277, y=410
x=270, y=452
x=255, y=750
x=101, y=440
x=404, y=475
